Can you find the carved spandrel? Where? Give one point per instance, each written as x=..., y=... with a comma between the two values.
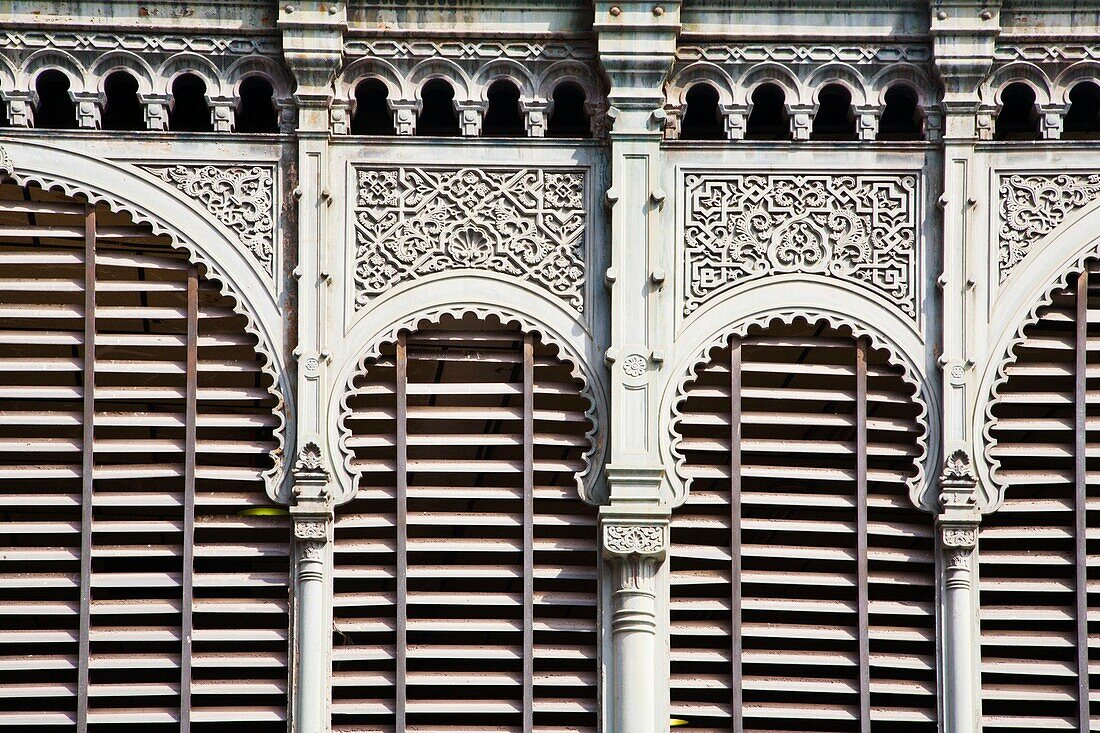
x=1032, y=206
x=526, y=223
x=241, y=197
x=744, y=226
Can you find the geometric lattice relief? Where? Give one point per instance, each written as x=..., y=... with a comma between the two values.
x=528, y=223
x=741, y=226
x=1032, y=206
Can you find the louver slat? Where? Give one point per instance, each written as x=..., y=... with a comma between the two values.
x=135, y=425
x=1037, y=598
x=465, y=592
x=802, y=588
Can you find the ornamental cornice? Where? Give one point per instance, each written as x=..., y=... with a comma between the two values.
x=848, y=53
x=461, y=49
x=164, y=43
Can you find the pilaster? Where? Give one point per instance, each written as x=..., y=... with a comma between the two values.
x=964, y=33
x=637, y=43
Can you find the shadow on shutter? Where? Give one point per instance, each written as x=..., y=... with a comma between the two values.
x=135, y=591
x=1034, y=558
x=802, y=591
x=466, y=540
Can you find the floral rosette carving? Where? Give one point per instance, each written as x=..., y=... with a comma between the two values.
x=633, y=539
x=1032, y=206
x=241, y=197
x=740, y=227
x=527, y=223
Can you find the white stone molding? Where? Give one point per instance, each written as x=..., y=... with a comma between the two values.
x=1021, y=71
x=1032, y=205
x=242, y=197
x=835, y=72
x=467, y=49
x=684, y=372
x=527, y=223
x=363, y=346
x=79, y=40
x=136, y=66
x=123, y=189
x=187, y=62
x=794, y=53
x=861, y=227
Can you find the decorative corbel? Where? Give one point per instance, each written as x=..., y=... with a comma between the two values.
x=802, y=120
x=313, y=47
x=867, y=119
x=155, y=107
x=223, y=114
x=89, y=110
x=1051, y=117
x=20, y=107
x=734, y=119
x=340, y=117
x=404, y=115
x=536, y=116
x=470, y=117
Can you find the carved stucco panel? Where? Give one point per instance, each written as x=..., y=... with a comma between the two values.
x=1032, y=206
x=527, y=223
x=743, y=226
x=241, y=197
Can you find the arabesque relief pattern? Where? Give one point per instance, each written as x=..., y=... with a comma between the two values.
x=743, y=226
x=528, y=223
x=1033, y=205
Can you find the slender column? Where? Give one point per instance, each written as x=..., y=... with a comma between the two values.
x=311, y=536
x=87, y=470
x=636, y=551
x=1080, y=499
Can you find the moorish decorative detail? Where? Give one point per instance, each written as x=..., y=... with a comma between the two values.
x=628, y=539
x=959, y=536
x=808, y=54
x=743, y=226
x=1032, y=205
x=239, y=196
x=466, y=49
x=528, y=223
x=206, y=45
x=310, y=530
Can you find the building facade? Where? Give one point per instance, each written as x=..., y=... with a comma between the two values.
x=549, y=366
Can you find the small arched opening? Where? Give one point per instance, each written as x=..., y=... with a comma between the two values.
x=702, y=120
x=1018, y=118
x=256, y=107
x=768, y=119
x=56, y=109
x=1082, y=120
x=189, y=110
x=372, y=110
x=123, y=110
x=901, y=117
x=437, y=115
x=835, y=118
x=569, y=118
x=503, y=117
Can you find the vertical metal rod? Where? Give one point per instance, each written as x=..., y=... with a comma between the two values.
x=528, y=533
x=861, y=537
x=191, y=418
x=736, y=672
x=86, y=472
x=1080, y=477
x=401, y=379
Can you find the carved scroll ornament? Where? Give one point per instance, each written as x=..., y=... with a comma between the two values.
x=861, y=228
x=528, y=223
x=239, y=196
x=1032, y=206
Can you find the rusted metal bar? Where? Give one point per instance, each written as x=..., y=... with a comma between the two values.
x=191, y=417
x=736, y=671
x=87, y=471
x=528, y=533
x=861, y=537
x=1080, y=479
x=401, y=622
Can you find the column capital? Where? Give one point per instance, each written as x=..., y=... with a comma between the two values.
x=634, y=535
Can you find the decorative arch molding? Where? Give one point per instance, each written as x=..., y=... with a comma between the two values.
x=835, y=73
x=883, y=329
x=54, y=59
x=1021, y=71
x=190, y=230
x=121, y=60
x=701, y=72
x=1061, y=256
x=480, y=297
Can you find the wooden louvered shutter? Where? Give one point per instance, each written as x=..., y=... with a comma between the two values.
x=465, y=567
x=136, y=590
x=1034, y=558
x=802, y=589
